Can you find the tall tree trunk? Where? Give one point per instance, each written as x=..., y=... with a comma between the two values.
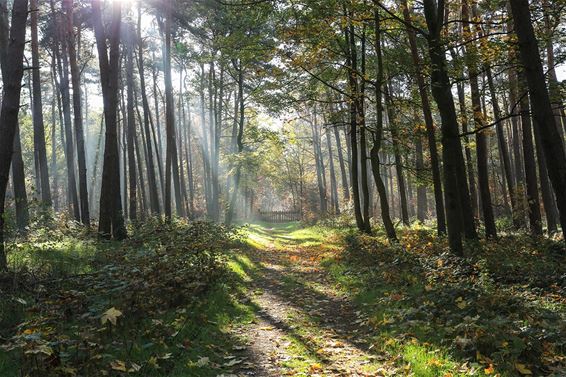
x=360, y=97
x=459, y=214
x=550, y=209
x=111, y=220
x=429, y=124
x=171, y=159
x=151, y=178
x=533, y=201
x=320, y=171
x=553, y=145
x=12, y=72
x=482, y=139
x=397, y=157
x=502, y=145
x=63, y=71
x=38, y=125
x=205, y=146
x=131, y=126
x=333, y=181
x=343, y=174
x=378, y=135
x=54, y=169
x=467, y=149
x=239, y=142
x=19, y=183
x=422, y=201
x=157, y=138
x=77, y=112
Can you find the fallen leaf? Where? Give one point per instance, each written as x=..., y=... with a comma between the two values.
x=118, y=365
x=111, y=315
x=203, y=361
x=522, y=368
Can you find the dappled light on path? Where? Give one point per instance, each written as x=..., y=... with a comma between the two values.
x=303, y=326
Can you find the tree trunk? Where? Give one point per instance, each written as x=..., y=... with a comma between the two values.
x=131, y=125
x=422, y=201
x=111, y=222
x=151, y=178
x=533, y=201
x=63, y=71
x=320, y=171
x=12, y=73
x=38, y=126
x=549, y=203
x=553, y=145
x=333, y=181
x=378, y=135
x=482, y=139
x=431, y=134
x=77, y=112
x=458, y=207
x=502, y=144
x=239, y=142
x=397, y=157
x=171, y=159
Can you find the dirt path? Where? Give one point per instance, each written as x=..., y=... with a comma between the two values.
x=304, y=326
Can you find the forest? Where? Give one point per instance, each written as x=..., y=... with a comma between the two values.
x=233, y=188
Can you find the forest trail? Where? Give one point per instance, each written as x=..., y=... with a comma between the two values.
x=304, y=326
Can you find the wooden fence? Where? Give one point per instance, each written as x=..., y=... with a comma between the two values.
x=279, y=216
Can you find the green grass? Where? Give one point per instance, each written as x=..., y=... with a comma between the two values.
x=169, y=342
x=290, y=235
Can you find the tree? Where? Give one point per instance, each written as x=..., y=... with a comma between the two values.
x=38, y=126
x=459, y=217
x=111, y=222
x=12, y=73
x=552, y=143
x=77, y=111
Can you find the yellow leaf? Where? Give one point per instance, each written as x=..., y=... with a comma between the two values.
x=111, y=315
x=315, y=367
x=489, y=369
x=118, y=365
x=522, y=368
x=461, y=303
x=434, y=362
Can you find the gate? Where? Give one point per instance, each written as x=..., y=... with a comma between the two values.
x=279, y=216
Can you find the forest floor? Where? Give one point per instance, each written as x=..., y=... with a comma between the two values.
x=331, y=303
x=266, y=300
x=304, y=324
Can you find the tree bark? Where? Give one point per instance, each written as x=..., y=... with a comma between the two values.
x=333, y=182
x=553, y=145
x=378, y=135
x=111, y=222
x=171, y=155
x=77, y=112
x=131, y=125
x=397, y=157
x=40, y=150
x=239, y=142
x=482, y=139
x=12, y=73
x=533, y=200
x=430, y=131
x=458, y=207
x=151, y=174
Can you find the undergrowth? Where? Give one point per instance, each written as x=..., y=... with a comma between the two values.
x=499, y=311
x=159, y=303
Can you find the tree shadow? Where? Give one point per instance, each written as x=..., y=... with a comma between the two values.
x=466, y=313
